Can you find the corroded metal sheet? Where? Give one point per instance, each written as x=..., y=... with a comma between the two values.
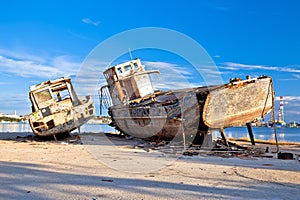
x=238, y=103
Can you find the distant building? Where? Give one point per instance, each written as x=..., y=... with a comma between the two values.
x=280, y=120
x=292, y=124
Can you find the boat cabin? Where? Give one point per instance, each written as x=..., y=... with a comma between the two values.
x=128, y=81
x=59, y=92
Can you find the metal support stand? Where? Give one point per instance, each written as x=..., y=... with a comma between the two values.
x=249, y=127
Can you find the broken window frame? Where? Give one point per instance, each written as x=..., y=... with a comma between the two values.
x=53, y=89
x=64, y=94
x=35, y=98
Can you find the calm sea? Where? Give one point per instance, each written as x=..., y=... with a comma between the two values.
x=283, y=134
x=264, y=133
x=25, y=127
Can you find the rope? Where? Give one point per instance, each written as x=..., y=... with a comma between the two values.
x=273, y=117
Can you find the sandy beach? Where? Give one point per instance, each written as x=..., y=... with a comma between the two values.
x=32, y=169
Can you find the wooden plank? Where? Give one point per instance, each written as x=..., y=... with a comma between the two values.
x=249, y=127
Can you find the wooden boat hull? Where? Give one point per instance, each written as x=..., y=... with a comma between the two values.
x=56, y=108
x=238, y=103
x=194, y=111
x=60, y=121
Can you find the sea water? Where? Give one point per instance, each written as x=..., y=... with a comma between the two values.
x=261, y=133
x=265, y=133
x=18, y=127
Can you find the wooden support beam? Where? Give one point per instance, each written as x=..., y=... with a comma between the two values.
x=249, y=127
x=224, y=137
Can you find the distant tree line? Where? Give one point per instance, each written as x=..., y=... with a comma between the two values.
x=9, y=119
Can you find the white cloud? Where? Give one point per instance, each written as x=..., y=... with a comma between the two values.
x=288, y=79
x=24, y=66
x=21, y=55
x=167, y=66
x=172, y=76
x=207, y=70
x=18, y=101
x=297, y=76
x=288, y=98
x=293, y=112
x=239, y=66
x=89, y=21
x=90, y=76
x=294, y=77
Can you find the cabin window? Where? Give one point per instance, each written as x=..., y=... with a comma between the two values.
x=127, y=68
x=61, y=95
x=135, y=65
x=43, y=96
x=120, y=70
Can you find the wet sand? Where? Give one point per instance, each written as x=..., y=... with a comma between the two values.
x=95, y=170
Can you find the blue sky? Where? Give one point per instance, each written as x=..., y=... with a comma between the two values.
x=43, y=40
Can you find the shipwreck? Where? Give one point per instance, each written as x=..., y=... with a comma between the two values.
x=56, y=108
x=137, y=109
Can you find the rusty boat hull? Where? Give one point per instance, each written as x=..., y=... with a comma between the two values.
x=57, y=109
x=60, y=122
x=195, y=111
